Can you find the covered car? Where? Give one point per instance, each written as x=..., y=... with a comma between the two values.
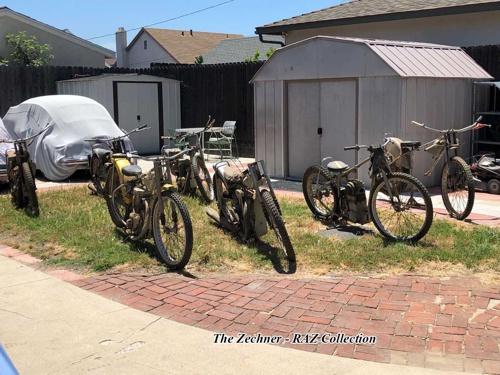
x=4, y=146
x=62, y=149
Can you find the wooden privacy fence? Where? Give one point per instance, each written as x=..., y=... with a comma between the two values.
x=222, y=91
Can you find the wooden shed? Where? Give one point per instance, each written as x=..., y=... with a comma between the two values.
x=133, y=100
x=318, y=95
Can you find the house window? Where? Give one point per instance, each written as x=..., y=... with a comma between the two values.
x=145, y=44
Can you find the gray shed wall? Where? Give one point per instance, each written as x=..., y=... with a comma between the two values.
x=101, y=90
x=385, y=105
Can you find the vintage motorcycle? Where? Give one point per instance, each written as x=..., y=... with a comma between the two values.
x=190, y=171
x=146, y=204
x=100, y=161
x=399, y=205
x=21, y=174
x=245, y=208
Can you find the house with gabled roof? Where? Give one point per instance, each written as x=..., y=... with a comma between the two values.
x=153, y=45
x=240, y=49
x=452, y=22
x=67, y=48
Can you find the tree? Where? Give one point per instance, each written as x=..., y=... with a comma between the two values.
x=27, y=50
x=198, y=60
x=256, y=55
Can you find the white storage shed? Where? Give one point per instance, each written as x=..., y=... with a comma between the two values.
x=133, y=100
x=318, y=95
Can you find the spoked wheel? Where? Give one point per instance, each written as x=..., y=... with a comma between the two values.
x=319, y=192
x=172, y=230
x=405, y=217
x=457, y=188
x=16, y=187
x=278, y=225
x=117, y=207
x=202, y=178
x=31, y=200
x=99, y=175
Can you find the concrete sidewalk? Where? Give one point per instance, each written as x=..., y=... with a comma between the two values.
x=49, y=326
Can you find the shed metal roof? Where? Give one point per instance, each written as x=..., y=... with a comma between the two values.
x=425, y=60
x=406, y=59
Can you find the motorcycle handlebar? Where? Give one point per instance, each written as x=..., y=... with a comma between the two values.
x=476, y=125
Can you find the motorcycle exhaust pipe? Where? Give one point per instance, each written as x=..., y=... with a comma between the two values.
x=222, y=221
x=212, y=214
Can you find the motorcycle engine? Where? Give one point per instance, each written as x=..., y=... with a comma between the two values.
x=356, y=200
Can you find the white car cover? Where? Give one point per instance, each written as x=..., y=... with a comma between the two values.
x=71, y=120
x=4, y=134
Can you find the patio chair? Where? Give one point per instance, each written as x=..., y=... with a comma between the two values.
x=174, y=143
x=222, y=140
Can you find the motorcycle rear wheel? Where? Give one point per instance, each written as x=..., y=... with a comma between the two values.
x=16, y=187
x=319, y=192
x=117, y=208
x=31, y=200
x=99, y=175
x=202, y=178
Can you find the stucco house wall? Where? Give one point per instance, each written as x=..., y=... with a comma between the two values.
x=461, y=30
x=139, y=57
x=68, y=49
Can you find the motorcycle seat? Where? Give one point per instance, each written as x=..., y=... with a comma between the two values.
x=132, y=171
x=102, y=152
x=337, y=166
x=232, y=174
x=411, y=144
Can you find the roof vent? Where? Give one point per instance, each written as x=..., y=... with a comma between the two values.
x=182, y=33
x=191, y=32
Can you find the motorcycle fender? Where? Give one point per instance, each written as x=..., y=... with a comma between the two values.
x=168, y=187
x=260, y=220
x=120, y=164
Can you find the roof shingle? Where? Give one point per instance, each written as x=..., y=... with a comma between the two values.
x=185, y=46
x=372, y=8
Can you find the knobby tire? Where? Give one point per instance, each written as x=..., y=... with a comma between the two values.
x=172, y=230
x=31, y=200
x=457, y=189
x=410, y=216
x=278, y=225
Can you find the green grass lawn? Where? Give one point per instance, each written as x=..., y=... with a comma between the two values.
x=74, y=231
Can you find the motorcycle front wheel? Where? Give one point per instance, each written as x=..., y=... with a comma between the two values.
x=457, y=188
x=407, y=216
x=278, y=225
x=172, y=230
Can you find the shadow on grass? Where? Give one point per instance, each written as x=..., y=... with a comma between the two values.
x=151, y=250
x=275, y=255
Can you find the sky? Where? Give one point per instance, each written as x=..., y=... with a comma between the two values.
x=98, y=20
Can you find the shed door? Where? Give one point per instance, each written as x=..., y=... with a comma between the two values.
x=136, y=104
x=329, y=106
x=303, y=122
